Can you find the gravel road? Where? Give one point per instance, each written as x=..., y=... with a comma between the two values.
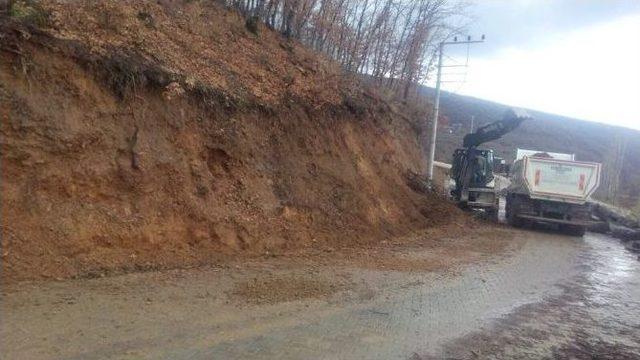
x=553, y=296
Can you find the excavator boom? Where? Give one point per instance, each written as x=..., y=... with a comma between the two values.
x=511, y=120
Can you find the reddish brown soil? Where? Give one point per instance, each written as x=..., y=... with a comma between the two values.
x=132, y=145
x=415, y=255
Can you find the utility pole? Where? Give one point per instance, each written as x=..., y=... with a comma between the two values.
x=473, y=117
x=615, y=167
x=436, y=102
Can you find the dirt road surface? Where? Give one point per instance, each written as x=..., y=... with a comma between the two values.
x=553, y=296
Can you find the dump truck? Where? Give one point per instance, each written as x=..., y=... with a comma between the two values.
x=551, y=189
x=474, y=169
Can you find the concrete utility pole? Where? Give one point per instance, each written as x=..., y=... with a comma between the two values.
x=436, y=102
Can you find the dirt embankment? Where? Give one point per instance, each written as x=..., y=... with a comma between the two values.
x=139, y=135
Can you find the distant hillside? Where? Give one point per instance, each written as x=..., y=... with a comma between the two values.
x=590, y=141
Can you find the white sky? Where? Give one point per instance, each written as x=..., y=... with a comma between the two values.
x=588, y=71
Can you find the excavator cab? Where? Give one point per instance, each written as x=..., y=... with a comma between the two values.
x=473, y=166
x=472, y=171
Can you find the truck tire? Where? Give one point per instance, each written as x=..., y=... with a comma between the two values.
x=511, y=213
x=491, y=214
x=575, y=230
x=513, y=220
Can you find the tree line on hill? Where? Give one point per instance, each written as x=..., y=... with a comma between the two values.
x=395, y=41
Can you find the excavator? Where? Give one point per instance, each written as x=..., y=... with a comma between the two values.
x=473, y=169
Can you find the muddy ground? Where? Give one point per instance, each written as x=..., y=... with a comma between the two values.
x=542, y=296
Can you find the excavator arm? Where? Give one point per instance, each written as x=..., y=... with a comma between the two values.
x=511, y=120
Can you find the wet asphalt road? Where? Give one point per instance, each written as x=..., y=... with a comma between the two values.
x=594, y=315
x=555, y=297
x=559, y=297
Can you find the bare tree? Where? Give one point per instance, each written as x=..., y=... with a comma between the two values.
x=393, y=41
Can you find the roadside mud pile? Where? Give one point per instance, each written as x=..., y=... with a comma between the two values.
x=139, y=135
x=619, y=223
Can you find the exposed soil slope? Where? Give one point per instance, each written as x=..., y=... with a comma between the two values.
x=163, y=134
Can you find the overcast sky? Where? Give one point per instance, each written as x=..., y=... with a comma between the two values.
x=579, y=58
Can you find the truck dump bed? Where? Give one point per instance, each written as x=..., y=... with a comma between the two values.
x=556, y=180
